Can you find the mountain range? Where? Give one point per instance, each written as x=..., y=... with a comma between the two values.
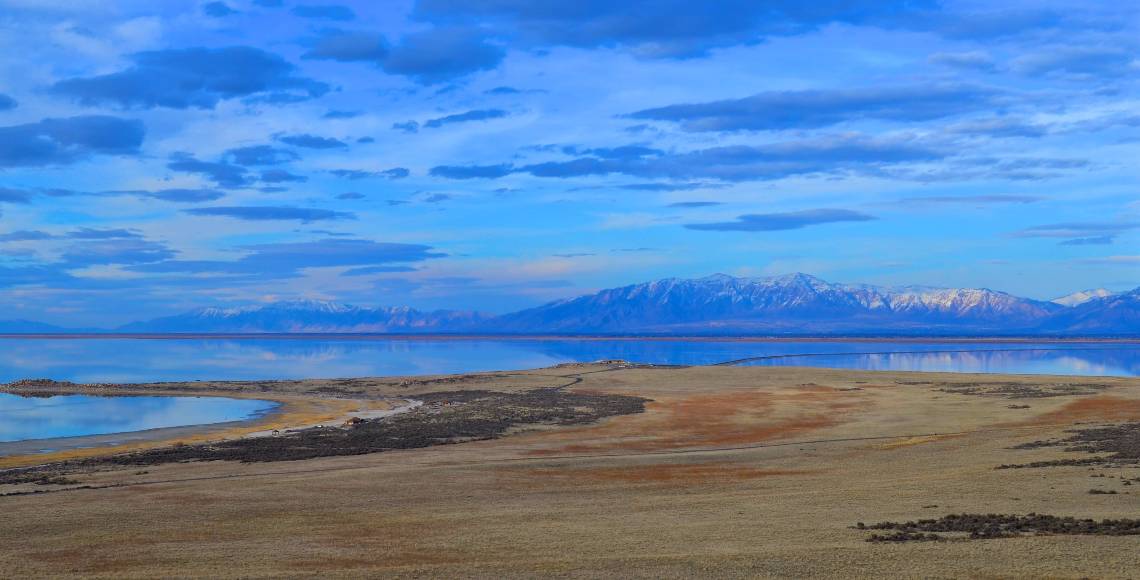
x=796, y=304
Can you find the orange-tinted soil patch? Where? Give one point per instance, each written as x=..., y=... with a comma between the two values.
x=1100, y=408
x=664, y=473
x=715, y=420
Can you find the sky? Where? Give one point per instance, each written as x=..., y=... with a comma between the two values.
x=157, y=157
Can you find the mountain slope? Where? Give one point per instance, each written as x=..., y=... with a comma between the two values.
x=796, y=303
x=310, y=316
x=28, y=327
x=1117, y=314
x=1078, y=298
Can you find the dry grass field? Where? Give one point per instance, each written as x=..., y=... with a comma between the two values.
x=726, y=472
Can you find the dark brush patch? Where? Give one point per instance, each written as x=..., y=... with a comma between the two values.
x=1024, y=391
x=1113, y=445
x=992, y=526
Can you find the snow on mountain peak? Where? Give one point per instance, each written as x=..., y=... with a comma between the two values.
x=1078, y=298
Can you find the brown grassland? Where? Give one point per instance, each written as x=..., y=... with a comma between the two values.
x=637, y=472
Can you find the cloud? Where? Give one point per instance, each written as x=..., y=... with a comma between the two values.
x=269, y=3
x=9, y=195
x=626, y=152
x=1099, y=62
x=1113, y=260
x=222, y=173
x=779, y=110
x=272, y=213
x=218, y=10
x=312, y=141
x=971, y=199
x=115, y=251
x=428, y=57
x=471, y=171
x=476, y=115
x=33, y=276
x=502, y=91
x=25, y=236
x=7, y=103
x=442, y=54
x=437, y=198
x=407, y=126
x=823, y=156
x=325, y=12
x=351, y=195
x=355, y=174
x=688, y=204
x=369, y=270
x=281, y=176
x=283, y=260
x=997, y=24
x=352, y=174
x=1094, y=241
x=66, y=140
x=999, y=127
x=193, y=78
x=682, y=186
x=768, y=222
x=344, y=46
x=974, y=59
x=1076, y=230
x=1013, y=169
x=341, y=115
x=660, y=28
x=102, y=234
x=181, y=195
x=260, y=155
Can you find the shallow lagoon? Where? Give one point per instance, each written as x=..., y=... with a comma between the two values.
x=23, y=418
x=145, y=360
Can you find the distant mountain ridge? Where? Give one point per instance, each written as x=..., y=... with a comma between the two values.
x=309, y=316
x=796, y=304
x=28, y=327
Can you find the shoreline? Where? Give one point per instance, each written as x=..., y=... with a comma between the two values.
x=293, y=412
x=108, y=441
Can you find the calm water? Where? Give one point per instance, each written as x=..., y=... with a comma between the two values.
x=141, y=360
x=77, y=415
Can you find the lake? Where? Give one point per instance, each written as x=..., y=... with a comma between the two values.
x=145, y=360
x=23, y=418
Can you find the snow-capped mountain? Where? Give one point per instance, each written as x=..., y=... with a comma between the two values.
x=1078, y=298
x=1115, y=314
x=797, y=303
x=308, y=316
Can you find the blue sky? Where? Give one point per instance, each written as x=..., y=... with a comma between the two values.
x=497, y=154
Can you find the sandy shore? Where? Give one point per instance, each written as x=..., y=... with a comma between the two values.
x=120, y=440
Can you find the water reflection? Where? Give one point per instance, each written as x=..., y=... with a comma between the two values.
x=78, y=415
x=1099, y=361
x=137, y=360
